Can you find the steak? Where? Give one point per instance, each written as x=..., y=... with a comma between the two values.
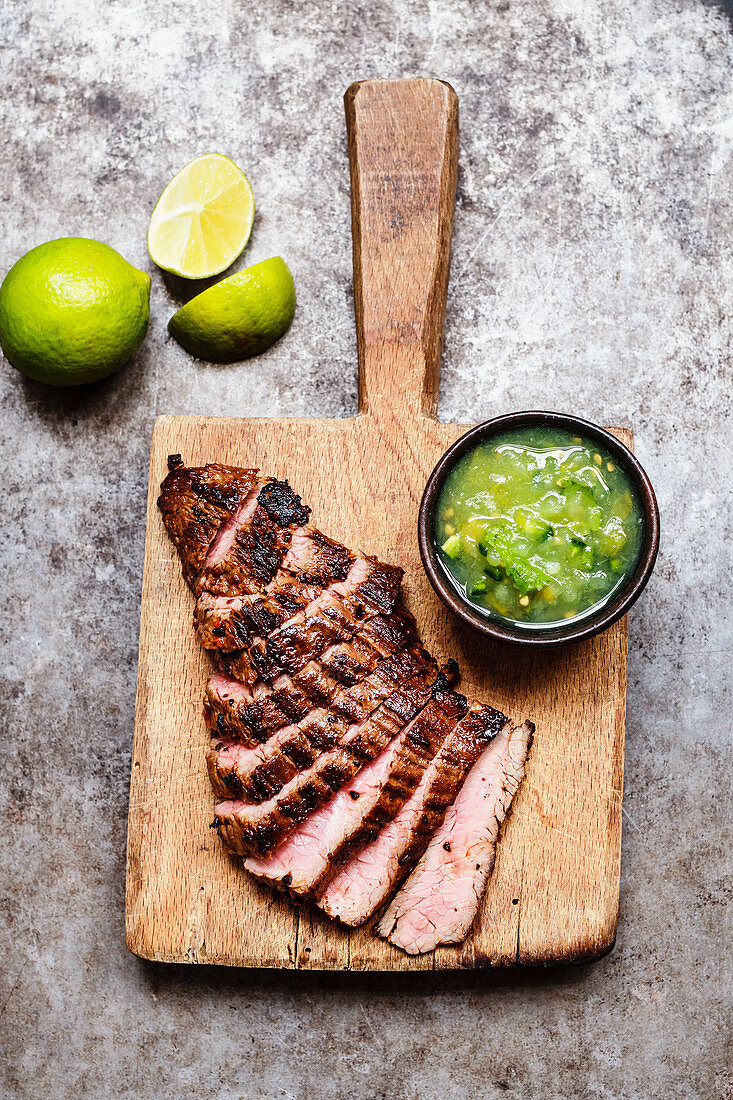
x=374, y=873
x=234, y=711
x=342, y=759
x=313, y=562
x=260, y=773
x=307, y=637
x=196, y=502
x=313, y=558
x=439, y=901
x=235, y=622
x=412, y=723
x=229, y=704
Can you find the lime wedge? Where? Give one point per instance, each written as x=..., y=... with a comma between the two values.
x=203, y=219
x=239, y=317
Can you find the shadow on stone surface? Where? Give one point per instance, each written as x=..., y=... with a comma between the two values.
x=171, y=976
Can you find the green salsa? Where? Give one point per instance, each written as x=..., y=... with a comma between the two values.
x=538, y=525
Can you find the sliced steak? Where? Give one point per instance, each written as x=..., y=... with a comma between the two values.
x=230, y=706
x=313, y=562
x=233, y=710
x=417, y=719
x=258, y=774
x=367, y=880
x=371, y=589
x=232, y=623
x=196, y=502
x=258, y=829
x=439, y=901
x=249, y=549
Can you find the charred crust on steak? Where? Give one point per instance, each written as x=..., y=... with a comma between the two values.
x=447, y=677
x=231, y=782
x=452, y=669
x=260, y=785
x=240, y=631
x=496, y=721
x=301, y=756
x=284, y=506
x=286, y=879
x=268, y=620
x=215, y=823
x=214, y=494
x=262, y=838
x=174, y=461
x=332, y=774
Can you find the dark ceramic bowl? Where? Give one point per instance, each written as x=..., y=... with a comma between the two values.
x=584, y=625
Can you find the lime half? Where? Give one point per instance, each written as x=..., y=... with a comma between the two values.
x=203, y=219
x=239, y=317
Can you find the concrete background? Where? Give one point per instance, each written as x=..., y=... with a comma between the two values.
x=591, y=272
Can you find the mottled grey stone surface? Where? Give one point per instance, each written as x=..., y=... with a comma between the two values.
x=591, y=272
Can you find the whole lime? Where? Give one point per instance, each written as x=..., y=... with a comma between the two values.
x=239, y=317
x=72, y=311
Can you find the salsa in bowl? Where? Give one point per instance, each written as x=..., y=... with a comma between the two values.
x=539, y=527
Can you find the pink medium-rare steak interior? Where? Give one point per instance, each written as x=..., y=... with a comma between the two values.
x=423, y=713
x=340, y=755
x=376, y=870
x=439, y=901
x=224, y=538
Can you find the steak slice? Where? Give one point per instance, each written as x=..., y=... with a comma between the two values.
x=314, y=558
x=249, y=548
x=376, y=871
x=439, y=901
x=258, y=774
x=370, y=589
x=416, y=719
x=234, y=711
x=196, y=502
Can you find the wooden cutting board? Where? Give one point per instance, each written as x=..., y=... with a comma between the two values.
x=553, y=896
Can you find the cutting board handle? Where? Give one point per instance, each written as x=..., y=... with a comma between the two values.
x=403, y=153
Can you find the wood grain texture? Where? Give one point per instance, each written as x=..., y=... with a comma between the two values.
x=553, y=896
